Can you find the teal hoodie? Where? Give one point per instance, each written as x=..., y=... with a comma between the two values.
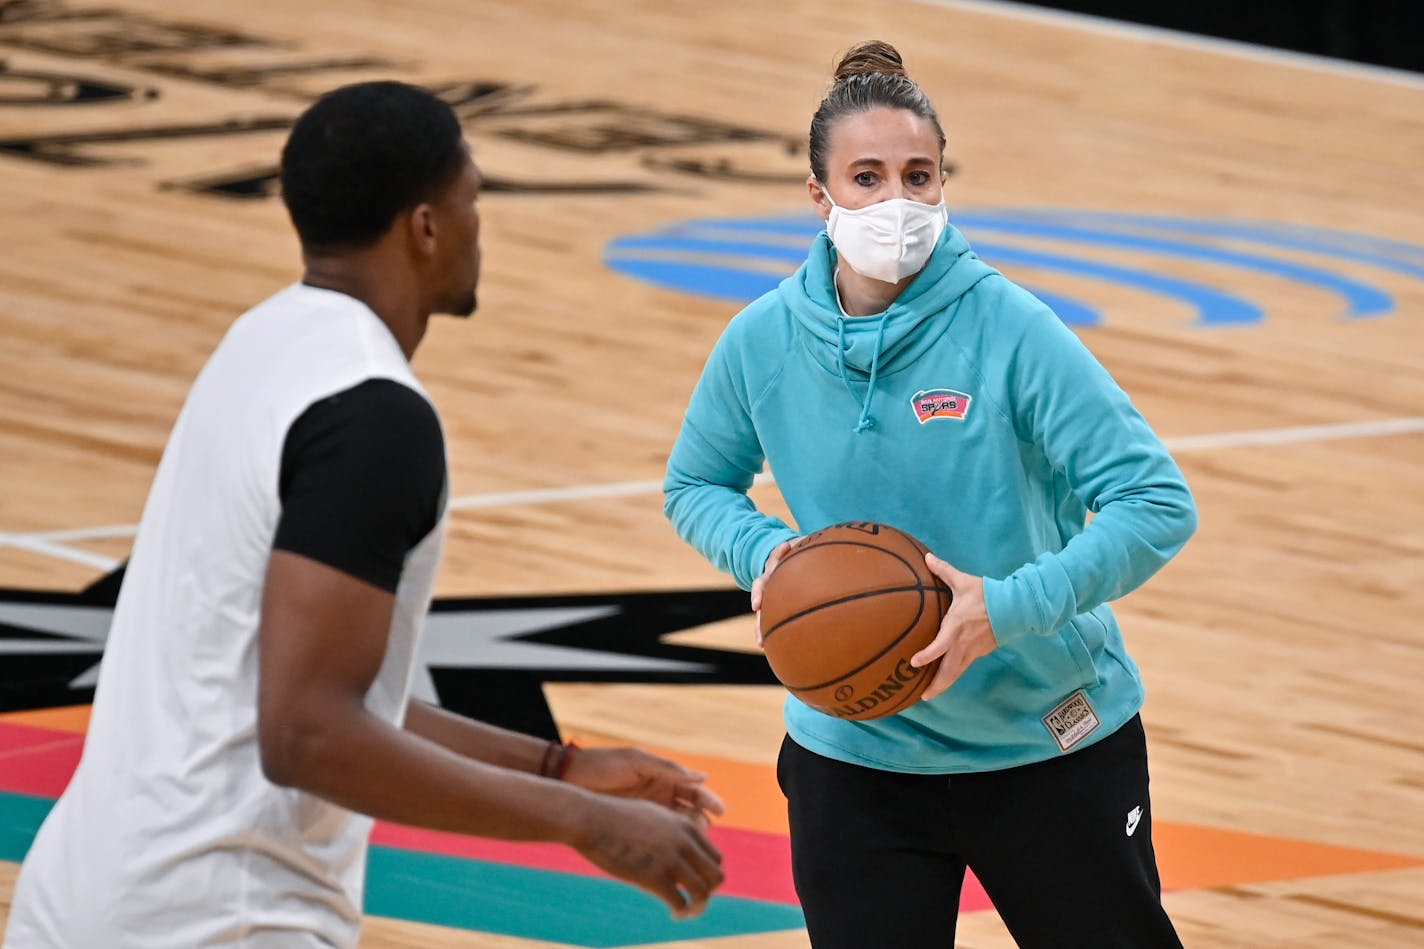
x=968, y=415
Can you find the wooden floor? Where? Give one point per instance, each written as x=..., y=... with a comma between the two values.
x=1283, y=651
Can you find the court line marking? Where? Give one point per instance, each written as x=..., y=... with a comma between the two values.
x=1381, y=428
x=51, y=543
x=1182, y=38
x=40, y=545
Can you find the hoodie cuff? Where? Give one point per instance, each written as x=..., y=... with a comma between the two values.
x=1012, y=608
x=762, y=548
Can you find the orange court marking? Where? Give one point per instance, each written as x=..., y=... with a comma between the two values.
x=1189, y=856
x=69, y=718
x=753, y=800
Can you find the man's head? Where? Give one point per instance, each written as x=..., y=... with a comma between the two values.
x=387, y=161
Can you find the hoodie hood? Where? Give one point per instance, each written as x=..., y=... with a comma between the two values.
x=860, y=349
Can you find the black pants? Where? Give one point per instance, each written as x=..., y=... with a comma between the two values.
x=1061, y=848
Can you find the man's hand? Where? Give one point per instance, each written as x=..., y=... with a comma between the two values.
x=634, y=773
x=965, y=633
x=759, y=584
x=652, y=847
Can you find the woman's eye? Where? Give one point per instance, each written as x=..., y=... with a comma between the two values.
x=919, y=178
x=865, y=179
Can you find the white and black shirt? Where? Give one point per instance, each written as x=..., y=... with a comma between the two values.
x=306, y=431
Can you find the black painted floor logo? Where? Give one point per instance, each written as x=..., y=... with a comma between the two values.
x=484, y=657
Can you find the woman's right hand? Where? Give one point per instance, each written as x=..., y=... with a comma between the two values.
x=759, y=584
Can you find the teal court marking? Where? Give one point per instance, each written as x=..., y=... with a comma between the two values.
x=499, y=898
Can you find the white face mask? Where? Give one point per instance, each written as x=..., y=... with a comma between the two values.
x=888, y=241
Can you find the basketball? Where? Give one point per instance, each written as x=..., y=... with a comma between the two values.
x=843, y=613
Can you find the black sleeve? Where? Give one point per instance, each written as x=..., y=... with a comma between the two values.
x=362, y=480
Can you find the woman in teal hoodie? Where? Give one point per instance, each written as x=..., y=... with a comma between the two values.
x=895, y=377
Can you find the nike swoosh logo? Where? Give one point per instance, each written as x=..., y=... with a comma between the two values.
x=1133, y=817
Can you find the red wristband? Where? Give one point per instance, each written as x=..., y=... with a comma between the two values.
x=565, y=760
x=552, y=749
x=557, y=757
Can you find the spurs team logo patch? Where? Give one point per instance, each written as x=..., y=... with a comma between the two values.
x=940, y=403
x=1072, y=720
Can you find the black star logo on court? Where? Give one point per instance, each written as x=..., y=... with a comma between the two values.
x=485, y=657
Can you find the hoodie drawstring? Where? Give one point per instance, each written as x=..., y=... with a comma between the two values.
x=866, y=421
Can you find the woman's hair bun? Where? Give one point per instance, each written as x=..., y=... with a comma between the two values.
x=872, y=56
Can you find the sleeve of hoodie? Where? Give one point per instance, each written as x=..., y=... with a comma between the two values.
x=715, y=458
x=1068, y=405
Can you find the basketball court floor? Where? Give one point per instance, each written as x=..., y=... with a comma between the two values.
x=1237, y=234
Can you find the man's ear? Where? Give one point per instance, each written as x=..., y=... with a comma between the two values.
x=817, y=191
x=420, y=222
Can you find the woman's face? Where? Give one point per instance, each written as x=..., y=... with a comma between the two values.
x=877, y=155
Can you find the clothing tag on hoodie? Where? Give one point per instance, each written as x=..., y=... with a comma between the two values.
x=1072, y=720
x=940, y=403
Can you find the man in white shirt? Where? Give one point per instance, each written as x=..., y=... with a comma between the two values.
x=252, y=715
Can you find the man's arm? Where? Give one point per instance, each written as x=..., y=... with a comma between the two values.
x=322, y=641
x=474, y=739
x=624, y=772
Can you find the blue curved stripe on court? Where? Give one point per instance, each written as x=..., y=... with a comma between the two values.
x=739, y=285
x=724, y=281
x=678, y=243
x=1379, y=251
x=1072, y=312
x=719, y=279
x=1215, y=307
x=708, y=248
x=1363, y=299
x=1383, y=246
x=720, y=282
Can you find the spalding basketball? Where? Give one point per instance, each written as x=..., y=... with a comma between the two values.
x=843, y=613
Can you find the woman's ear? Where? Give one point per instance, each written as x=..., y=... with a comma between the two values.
x=819, y=197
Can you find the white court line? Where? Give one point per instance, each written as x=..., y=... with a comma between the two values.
x=618, y=489
x=59, y=551
x=1181, y=38
x=48, y=542
x=82, y=533
x=1300, y=433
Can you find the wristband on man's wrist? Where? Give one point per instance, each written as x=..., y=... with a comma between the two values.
x=558, y=755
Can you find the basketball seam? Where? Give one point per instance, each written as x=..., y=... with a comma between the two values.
x=914, y=571
x=940, y=590
x=872, y=660
x=807, y=547
x=851, y=598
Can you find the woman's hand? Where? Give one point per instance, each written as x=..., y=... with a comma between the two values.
x=759, y=584
x=965, y=633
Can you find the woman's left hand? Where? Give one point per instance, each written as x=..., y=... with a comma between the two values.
x=965, y=633
x=634, y=773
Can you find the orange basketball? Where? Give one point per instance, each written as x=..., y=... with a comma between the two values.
x=844, y=612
